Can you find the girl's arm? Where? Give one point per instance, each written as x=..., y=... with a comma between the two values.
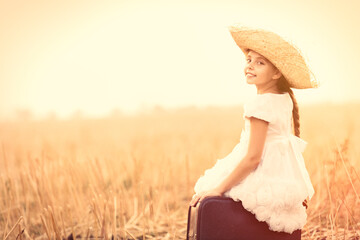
x=258, y=130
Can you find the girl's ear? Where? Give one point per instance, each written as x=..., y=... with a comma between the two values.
x=277, y=74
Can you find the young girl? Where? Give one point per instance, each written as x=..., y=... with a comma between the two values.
x=266, y=170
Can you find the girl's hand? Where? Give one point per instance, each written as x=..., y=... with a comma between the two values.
x=200, y=196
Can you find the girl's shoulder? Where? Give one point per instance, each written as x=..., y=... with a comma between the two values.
x=266, y=106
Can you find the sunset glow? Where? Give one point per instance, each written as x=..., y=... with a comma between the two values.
x=97, y=56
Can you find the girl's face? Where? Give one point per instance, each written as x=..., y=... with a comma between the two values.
x=261, y=72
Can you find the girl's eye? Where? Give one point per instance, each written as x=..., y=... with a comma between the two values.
x=261, y=63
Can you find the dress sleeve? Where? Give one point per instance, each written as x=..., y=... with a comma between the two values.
x=260, y=107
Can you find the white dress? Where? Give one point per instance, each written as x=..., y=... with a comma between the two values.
x=275, y=190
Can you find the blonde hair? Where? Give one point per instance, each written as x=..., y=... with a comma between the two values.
x=284, y=86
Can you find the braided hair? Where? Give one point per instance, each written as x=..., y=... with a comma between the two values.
x=283, y=86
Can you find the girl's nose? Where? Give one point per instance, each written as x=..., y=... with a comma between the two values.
x=250, y=66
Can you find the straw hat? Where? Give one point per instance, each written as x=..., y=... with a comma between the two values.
x=285, y=56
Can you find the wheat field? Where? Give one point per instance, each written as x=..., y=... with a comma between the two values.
x=132, y=177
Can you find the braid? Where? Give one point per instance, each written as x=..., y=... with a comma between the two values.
x=283, y=86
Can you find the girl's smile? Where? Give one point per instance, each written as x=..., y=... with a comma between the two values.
x=250, y=75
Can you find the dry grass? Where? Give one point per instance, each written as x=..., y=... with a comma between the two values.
x=132, y=177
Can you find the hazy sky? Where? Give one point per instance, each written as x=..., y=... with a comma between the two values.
x=95, y=56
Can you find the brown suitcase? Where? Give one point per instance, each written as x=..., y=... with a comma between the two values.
x=222, y=218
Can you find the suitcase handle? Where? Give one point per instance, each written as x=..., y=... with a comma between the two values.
x=192, y=223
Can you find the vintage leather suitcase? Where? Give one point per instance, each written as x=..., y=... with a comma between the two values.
x=221, y=218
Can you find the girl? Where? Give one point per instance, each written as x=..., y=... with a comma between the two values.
x=266, y=170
